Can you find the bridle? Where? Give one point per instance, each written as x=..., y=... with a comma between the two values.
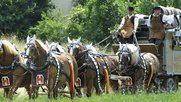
x=30, y=46
x=73, y=49
x=124, y=53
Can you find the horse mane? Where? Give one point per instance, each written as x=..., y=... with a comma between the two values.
x=82, y=46
x=9, y=48
x=41, y=45
x=91, y=48
x=134, y=53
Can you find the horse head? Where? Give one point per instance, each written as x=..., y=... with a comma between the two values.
x=34, y=48
x=56, y=48
x=7, y=51
x=128, y=55
x=75, y=46
x=91, y=48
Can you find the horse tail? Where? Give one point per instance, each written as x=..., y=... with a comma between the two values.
x=72, y=79
x=150, y=75
x=107, y=81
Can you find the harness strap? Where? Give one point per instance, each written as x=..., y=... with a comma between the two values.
x=58, y=71
x=106, y=73
x=13, y=64
x=97, y=69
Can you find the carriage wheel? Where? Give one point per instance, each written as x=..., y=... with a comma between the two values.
x=170, y=85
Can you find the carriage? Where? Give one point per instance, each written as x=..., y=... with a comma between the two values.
x=169, y=54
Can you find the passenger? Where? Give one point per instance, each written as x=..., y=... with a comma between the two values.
x=128, y=26
x=157, y=23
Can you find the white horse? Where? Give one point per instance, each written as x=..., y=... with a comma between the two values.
x=142, y=67
x=55, y=47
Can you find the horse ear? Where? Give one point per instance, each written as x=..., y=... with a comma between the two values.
x=69, y=41
x=91, y=44
x=28, y=38
x=34, y=36
x=120, y=44
x=79, y=39
x=1, y=43
x=47, y=44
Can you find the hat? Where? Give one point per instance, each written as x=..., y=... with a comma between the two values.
x=157, y=8
x=130, y=9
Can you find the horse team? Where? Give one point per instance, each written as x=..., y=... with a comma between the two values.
x=81, y=67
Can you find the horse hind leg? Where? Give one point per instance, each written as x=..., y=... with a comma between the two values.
x=6, y=90
x=97, y=87
x=50, y=88
x=55, y=92
x=28, y=89
x=89, y=84
x=115, y=85
x=78, y=90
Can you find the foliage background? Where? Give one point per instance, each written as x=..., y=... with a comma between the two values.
x=90, y=19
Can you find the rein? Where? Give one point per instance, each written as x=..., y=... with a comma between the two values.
x=45, y=65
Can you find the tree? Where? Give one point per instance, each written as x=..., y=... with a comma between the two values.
x=94, y=20
x=17, y=16
x=50, y=27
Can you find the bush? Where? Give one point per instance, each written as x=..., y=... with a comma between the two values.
x=51, y=27
x=94, y=20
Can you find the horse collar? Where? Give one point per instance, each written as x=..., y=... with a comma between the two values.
x=47, y=61
x=13, y=64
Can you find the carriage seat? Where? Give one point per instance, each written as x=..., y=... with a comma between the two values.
x=152, y=48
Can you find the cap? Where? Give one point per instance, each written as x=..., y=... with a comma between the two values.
x=130, y=8
x=157, y=8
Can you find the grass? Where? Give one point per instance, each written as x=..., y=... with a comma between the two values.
x=112, y=97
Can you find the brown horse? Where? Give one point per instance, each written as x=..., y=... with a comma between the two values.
x=93, y=65
x=12, y=63
x=142, y=67
x=61, y=68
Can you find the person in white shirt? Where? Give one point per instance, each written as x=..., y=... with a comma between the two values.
x=157, y=23
x=128, y=26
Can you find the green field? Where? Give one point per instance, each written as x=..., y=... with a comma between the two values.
x=112, y=97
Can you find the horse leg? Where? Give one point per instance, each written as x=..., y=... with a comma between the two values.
x=78, y=90
x=55, y=92
x=134, y=86
x=115, y=85
x=89, y=84
x=34, y=92
x=90, y=75
x=96, y=86
x=50, y=88
x=6, y=90
x=28, y=89
x=16, y=84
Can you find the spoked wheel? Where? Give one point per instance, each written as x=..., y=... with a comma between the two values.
x=170, y=85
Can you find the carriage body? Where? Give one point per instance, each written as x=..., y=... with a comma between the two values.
x=169, y=54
